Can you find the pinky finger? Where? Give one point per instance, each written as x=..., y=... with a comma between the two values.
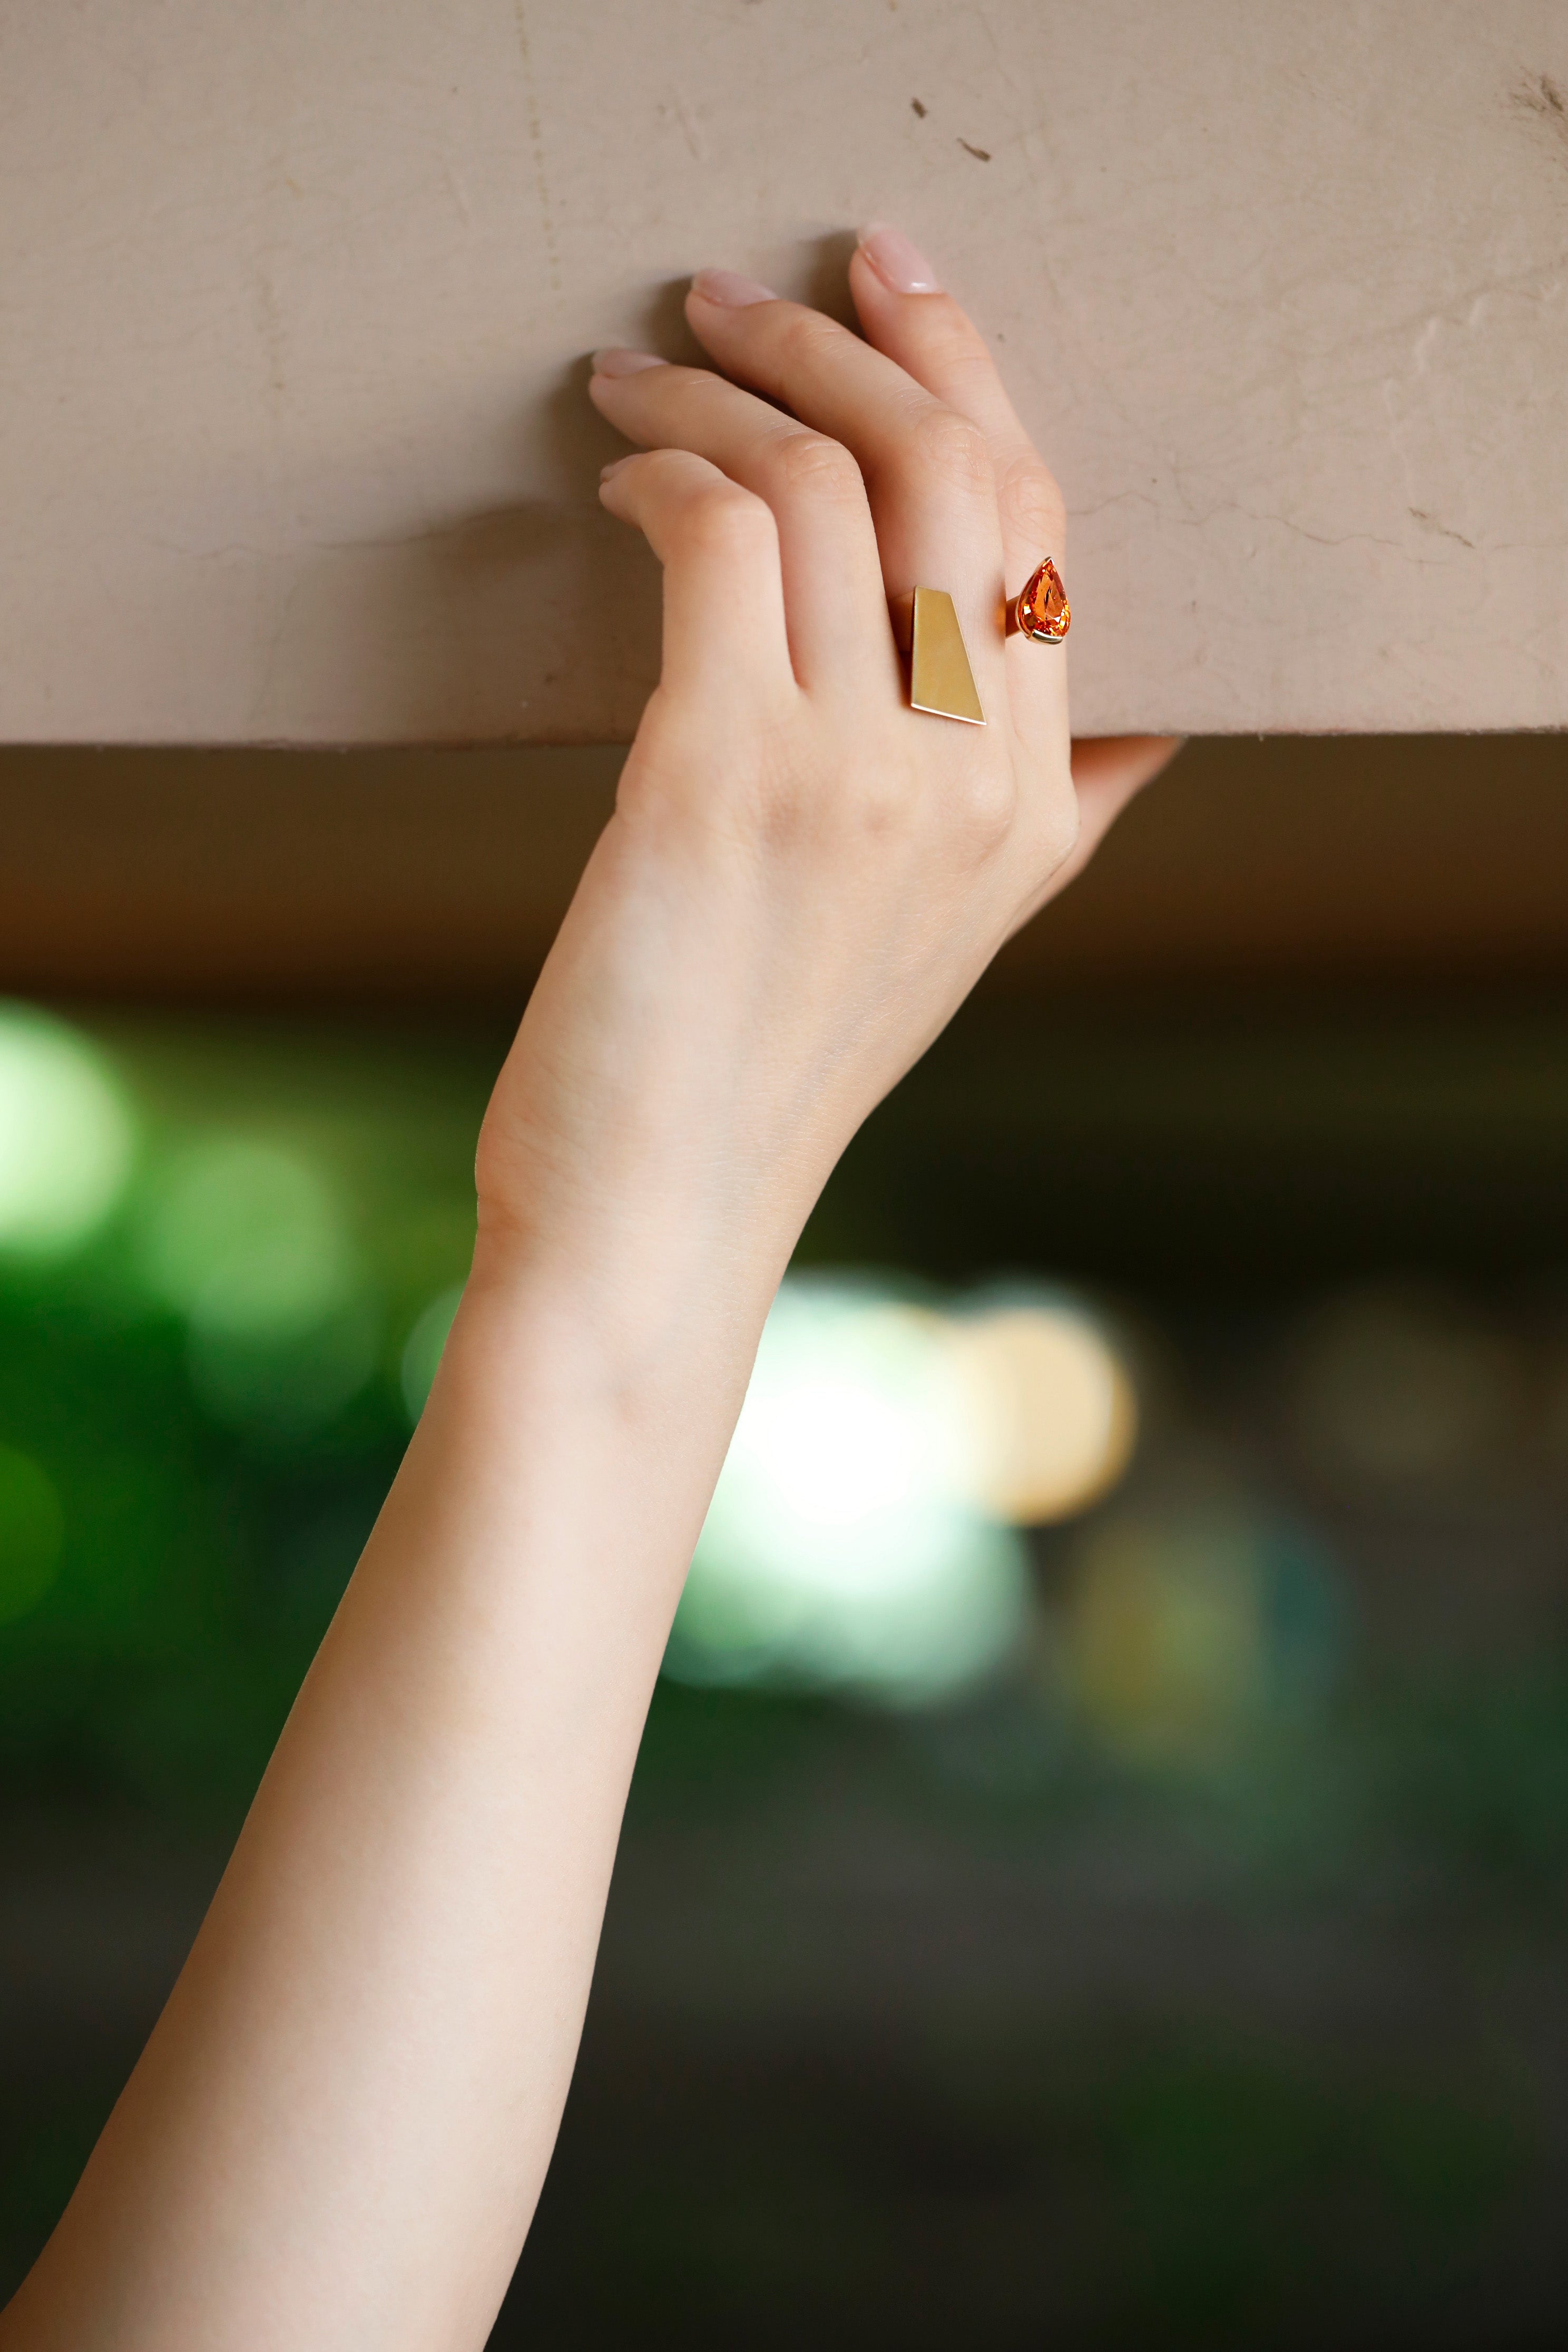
x=1107, y=771
x=723, y=587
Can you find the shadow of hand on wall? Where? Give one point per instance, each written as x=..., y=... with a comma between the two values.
x=535, y=620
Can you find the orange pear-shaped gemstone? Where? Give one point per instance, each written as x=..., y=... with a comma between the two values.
x=1044, y=612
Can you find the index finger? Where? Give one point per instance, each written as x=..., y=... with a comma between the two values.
x=936, y=343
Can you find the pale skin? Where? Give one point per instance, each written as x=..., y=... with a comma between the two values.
x=337, y=2132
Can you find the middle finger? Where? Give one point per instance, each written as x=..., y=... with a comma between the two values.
x=929, y=471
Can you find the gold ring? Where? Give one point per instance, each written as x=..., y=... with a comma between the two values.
x=1040, y=610
x=941, y=681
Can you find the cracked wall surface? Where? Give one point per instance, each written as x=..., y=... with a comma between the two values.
x=293, y=444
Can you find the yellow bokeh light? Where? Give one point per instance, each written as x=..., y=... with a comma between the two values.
x=1167, y=1639
x=1050, y=1409
x=1405, y=1384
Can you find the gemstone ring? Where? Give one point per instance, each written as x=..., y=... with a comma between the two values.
x=1040, y=610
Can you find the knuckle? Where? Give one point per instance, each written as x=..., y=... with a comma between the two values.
x=1032, y=504
x=809, y=465
x=953, y=450
x=663, y=476
x=725, y=522
x=1058, y=829
x=948, y=332
x=983, y=808
x=807, y=341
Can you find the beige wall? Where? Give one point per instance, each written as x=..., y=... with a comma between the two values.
x=294, y=296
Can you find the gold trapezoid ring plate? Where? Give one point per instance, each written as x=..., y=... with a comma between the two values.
x=941, y=681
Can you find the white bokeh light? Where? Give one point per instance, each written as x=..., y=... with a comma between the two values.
x=67, y=1136
x=841, y=1546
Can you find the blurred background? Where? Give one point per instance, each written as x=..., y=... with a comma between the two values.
x=1096, y=1871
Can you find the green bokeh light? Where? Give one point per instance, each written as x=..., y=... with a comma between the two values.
x=1192, y=1623
x=423, y=1348
x=284, y=1384
x=245, y=1235
x=32, y=1532
x=248, y=1240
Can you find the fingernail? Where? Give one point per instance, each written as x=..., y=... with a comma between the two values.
x=615, y=467
x=728, y=286
x=618, y=362
x=897, y=262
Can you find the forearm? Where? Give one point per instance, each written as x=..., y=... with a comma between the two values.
x=364, y=2062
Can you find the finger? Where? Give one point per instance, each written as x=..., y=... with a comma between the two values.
x=724, y=591
x=835, y=605
x=905, y=314
x=1108, y=771
x=928, y=470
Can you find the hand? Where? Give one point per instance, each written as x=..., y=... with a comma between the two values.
x=803, y=878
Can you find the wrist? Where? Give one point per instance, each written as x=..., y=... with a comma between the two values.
x=602, y=1412
x=644, y=1314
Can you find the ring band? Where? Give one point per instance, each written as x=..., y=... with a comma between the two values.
x=941, y=681
x=1040, y=610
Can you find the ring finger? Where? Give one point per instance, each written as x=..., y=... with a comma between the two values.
x=827, y=545
x=905, y=314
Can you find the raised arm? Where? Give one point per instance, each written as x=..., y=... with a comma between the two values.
x=339, y=2127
